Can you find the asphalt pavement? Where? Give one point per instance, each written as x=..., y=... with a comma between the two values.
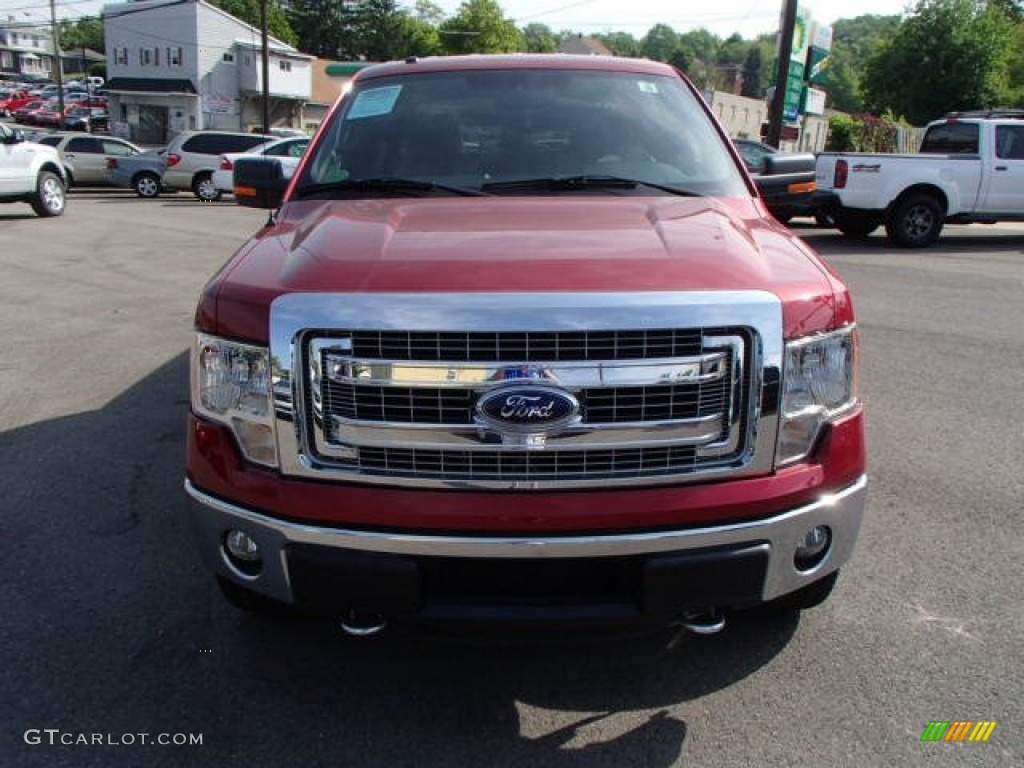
x=114, y=634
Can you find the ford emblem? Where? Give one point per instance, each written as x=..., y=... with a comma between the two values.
x=527, y=409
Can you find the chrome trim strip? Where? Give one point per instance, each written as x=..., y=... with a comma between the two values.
x=298, y=318
x=841, y=511
x=470, y=437
x=479, y=376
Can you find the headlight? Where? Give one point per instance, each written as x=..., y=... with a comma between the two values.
x=231, y=384
x=819, y=383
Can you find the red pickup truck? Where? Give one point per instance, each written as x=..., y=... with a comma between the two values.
x=522, y=341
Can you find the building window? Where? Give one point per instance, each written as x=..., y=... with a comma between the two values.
x=6, y=60
x=121, y=56
x=149, y=57
x=229, y=58
x=174, y=57
x=247, y=60
x=286, y=66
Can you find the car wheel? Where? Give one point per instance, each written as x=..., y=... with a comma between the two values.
x=205, y=189
x=49, y=199
x=857, y=226
x=915, y=222
x=146, y=185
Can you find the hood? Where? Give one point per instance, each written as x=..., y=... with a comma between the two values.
x=524, y=244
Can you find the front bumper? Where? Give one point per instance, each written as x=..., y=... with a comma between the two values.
x=398, y=574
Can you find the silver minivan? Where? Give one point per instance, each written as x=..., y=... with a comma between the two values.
x=193, y=156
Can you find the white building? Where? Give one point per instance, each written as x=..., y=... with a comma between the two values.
x=25, y=49
x=177, y=65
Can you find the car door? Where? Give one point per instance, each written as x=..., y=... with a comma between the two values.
x=1005, y=187
x=83, y=156
x=16, y=159
x=13, y=164
x=116, y=149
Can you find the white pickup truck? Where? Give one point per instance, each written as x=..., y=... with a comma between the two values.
x=31, y=173
x=970, y=170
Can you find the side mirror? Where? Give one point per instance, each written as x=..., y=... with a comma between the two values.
x=775, y=165
x=259, y=182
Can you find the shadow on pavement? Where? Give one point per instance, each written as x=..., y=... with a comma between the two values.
x=113, y=627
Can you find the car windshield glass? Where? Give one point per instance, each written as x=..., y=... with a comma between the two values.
x=531, y=129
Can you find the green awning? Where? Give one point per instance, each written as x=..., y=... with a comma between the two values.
x=346, y=68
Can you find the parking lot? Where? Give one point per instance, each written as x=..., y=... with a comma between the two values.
x=112, y=627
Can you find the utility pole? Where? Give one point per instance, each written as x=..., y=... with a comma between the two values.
x=266, y=66
x=88, y=92
x=785, y=53
x=56, y=55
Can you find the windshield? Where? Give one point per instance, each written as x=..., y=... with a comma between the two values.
x=511, y=131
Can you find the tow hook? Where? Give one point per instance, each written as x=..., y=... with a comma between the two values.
x=360, y=624
x=709, y=622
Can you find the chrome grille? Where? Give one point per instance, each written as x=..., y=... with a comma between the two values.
x=655, y=402
x=526, y=347
x=527, y=465
x=607, y=405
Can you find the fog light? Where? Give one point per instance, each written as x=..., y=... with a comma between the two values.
x=243, y=553
x=812, y=548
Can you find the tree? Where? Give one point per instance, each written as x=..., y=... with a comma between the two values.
x=659, y=43
x=1015, y=96
x=701, y=49
x=480, y=26
x=325, y=27
x=619, y=43
x=420, y=37
x=853, y=42
x=947, y=55
x=428, y=12
x=249, y=12
x=379, y=28
x=539, y=38
x=86, y=32
x=752, y=74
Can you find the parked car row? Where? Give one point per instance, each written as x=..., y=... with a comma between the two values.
x=47, y=113
x=85, y=158
x=201, y=161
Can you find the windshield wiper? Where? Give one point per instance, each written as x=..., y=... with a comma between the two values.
x=560, y=183
x=384, y=184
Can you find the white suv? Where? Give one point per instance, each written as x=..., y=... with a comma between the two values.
x=193, y=156
x=31, y=173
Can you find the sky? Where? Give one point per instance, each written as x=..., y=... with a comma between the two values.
x=722, y=17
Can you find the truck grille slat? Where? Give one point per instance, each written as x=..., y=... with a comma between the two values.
x=429, y=405
x=527, y=347
x=525, y=465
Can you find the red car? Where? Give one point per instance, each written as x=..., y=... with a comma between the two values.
x=50, y=114
x=13, y=100
x=25, y=114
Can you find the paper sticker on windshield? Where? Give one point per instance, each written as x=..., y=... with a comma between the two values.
x=374, y=102
x=646, y=86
